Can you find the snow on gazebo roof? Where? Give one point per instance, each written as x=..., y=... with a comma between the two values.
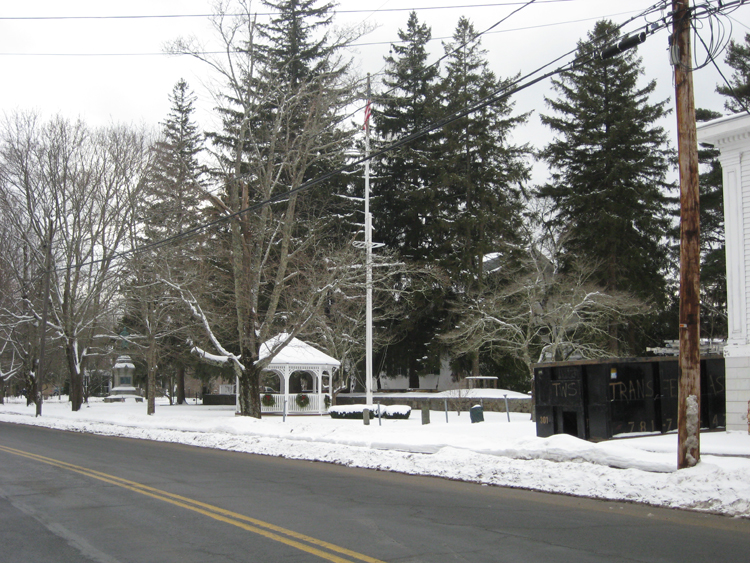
x=296, y=352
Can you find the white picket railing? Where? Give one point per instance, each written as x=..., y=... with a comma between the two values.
x=316, y=404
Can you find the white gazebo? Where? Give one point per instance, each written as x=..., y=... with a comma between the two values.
x=731, y=135
x=298, y=379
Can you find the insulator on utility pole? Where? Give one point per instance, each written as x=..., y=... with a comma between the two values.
x=627, y=43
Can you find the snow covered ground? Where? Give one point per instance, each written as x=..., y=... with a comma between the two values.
x=496, y=452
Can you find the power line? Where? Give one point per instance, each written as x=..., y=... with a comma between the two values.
x=267, y=14
x=368, y=44
x=643, y=13
x=712, y=59
x=521, y=83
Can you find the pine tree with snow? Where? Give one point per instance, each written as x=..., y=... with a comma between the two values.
x=170, y=206
x=481, y=172
x=287, y=97
x=405, y=196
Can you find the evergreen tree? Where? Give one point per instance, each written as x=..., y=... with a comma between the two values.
x=481, y=171
x=738, y=89
x=175, y=186
x=297, y=47
x=405, y=201
x=302, y=60
x=283, y=125
x=609, y=162
x=170, y=206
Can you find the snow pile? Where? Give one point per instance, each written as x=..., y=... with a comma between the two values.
x=495, y=452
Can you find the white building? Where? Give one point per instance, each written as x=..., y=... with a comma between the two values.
x=731, y=135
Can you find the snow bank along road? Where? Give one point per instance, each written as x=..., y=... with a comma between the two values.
x=496, y=452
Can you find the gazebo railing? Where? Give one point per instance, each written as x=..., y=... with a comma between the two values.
x=316, y=404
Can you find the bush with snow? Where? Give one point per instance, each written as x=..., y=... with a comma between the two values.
x=357, y=411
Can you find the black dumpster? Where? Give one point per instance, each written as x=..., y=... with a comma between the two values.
x=596, y=400
x=666, y=398
x=560, y=400
x=631, y=397
x=713, y=393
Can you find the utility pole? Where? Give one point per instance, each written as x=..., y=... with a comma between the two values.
x=689, y=398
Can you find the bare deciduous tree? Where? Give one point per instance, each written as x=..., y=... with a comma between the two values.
x=82, y=183
x=541, y=309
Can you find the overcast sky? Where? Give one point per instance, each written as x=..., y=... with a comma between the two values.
x=113, y=69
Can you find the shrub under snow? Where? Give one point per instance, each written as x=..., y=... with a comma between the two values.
x=356, y=411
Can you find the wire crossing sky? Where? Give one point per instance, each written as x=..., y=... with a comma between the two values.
x=645, y=22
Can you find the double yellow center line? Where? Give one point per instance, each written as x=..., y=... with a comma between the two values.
x=319, y=548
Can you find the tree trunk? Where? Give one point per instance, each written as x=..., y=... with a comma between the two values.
x=413, y=373
x=249, y=391
x=30, y=391
x=151, y=379
x=180, y=377
x=76, y=379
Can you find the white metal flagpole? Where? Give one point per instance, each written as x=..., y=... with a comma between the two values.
x=368, y=247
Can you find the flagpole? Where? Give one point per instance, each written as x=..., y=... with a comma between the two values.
x=368, y=259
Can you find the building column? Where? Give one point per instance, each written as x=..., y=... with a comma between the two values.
x=731, y=135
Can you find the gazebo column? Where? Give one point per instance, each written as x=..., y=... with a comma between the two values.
x=285, y=375
x=319, y=382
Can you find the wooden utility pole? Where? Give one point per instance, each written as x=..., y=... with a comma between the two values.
x=689, y=413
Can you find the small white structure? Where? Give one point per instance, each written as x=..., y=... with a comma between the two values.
x=731, y=135
x=299, y=376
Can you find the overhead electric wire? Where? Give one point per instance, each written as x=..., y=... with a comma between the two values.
x=712, y=59
x=643, y=13
x=176, y=16
x=391, y=42
x=357, y=44
x=739, y=22
x=500, y=94
x=511, y=30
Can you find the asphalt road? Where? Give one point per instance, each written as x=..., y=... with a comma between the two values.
x=68, y=497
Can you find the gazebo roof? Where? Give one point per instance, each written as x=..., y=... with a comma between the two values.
x=296, y=352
